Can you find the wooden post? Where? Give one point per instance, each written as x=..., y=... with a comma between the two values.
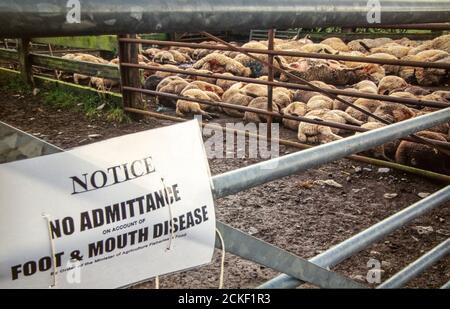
x=128, y=53
x=23, y=49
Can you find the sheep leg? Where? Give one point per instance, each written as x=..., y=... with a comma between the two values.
x=328, y=135
x=302, y=137
x=179, y=113
x=348, y=118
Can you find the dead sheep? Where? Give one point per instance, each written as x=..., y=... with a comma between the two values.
x=390, y=84
x=423, y=156
x=372, y=71
x=219, y=63
x=339, y=105
x=319, y=102
x=235, y=97
x=432, y=76
x=442, y=43
x=318, y=48
x=229, y=53
x=257, y=68
x=403, y=95
x=225, y=84
x=365, y=45
x=85, y=57
x=164, y=57
x=254, y=45
x=305, y=96
x=294, y=44
x=314, y=133
x=208, y=87
x=103, y=84
x=406, y=72
x=368, y=105
x=184, y=50
x=259, y=103
x=167, y=80
x=293, y=109
x=425, y=77
x=366, y=86
x=166, y=74
x=385, y=151
x=190, y=107
x=201, y=53
x=416, y=91
x=152, y=82
x=441, y=96
x=393, y=112
x=77, y=78
x=173, y=85
x=337, y=116
x=328, y=71
x=363, y=70
x=352, y=64
x=336, y=44
x=254, y=90
x=408, y=42
x=281, y=96
x=390, y=69
x=180, y=57
x=151, y=52
x=210, y=80
x=422, y=47
x=393, y=49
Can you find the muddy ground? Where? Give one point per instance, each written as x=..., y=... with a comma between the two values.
x=292, y=213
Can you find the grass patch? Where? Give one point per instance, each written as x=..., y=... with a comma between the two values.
x=117, y=115
x=14, y=84
x=61, y=99
x=92, y=105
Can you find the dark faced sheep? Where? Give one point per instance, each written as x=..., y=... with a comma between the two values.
x=393, y=112
x=424, y=156
x=390, y=84
x=385, y=151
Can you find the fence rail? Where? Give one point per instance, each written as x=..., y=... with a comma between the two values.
x=66, y=65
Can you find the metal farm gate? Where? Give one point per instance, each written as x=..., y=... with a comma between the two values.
x=201, y=15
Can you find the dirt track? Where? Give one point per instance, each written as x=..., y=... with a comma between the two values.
x=293, y=213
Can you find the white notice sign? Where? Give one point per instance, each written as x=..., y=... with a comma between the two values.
x=109, y=208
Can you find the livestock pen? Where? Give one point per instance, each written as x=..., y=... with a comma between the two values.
x=298, y=270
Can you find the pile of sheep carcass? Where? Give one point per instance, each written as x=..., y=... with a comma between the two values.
x=399, y=81
x=403, y=82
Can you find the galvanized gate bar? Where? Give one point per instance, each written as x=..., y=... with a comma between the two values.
x=362, y=240
x=417, y=267
x=446, y=286
x=261, y=252
x=32, y=18
x=260, y=173
x=16, y=145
